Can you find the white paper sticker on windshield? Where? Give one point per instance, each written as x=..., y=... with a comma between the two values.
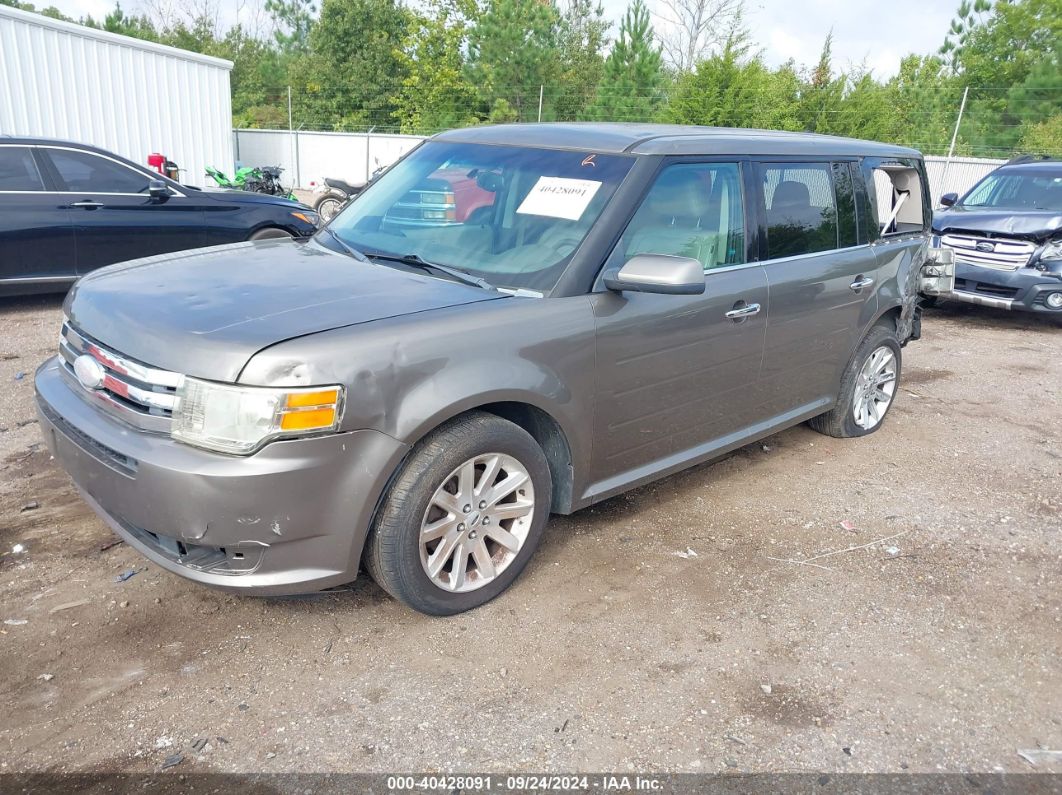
x=557, y=197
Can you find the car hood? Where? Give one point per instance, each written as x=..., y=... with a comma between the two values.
x=1033, y=224
x=206, y=313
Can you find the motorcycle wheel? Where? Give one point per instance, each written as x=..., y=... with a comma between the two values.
x=328, y=205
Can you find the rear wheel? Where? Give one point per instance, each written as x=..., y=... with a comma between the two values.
x=328, y=205
x=868, y=387
x=463, y=517
x=270, y=233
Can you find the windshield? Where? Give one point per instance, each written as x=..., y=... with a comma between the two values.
x=511, y=215
x=1029, y=190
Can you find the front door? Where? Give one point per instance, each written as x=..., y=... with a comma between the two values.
x=678, y=374
x=36, y=236
x=114, y=218
x=822, y=283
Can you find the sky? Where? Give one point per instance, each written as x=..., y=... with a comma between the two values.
x=864, y=32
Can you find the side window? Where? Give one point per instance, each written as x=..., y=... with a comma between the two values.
x=692, y=210
x=18, y=172
x=83, y=172
x=898, y=195
x=801, y=211
x=846, y=207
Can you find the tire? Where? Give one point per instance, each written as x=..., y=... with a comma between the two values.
x=845, y=419
x=271, y=233
x=395, y=556
x=328, y=205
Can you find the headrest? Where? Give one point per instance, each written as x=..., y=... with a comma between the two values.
x=678, y=192
x=791, y=194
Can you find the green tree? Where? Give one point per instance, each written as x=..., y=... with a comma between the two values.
x=513, y=50
x=436, y=93
x=1000, y=50
x=823, y=94
x=927, y=97
x=582, y=37
x=293, y=21
x=631, y=83
x=734, y=89
x=1044, y=137
x=355, y=70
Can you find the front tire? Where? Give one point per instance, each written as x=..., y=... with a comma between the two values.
x=463, y=517
x=271, y=233
x=868, y=387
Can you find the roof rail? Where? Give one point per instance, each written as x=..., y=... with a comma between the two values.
x=1029, y=159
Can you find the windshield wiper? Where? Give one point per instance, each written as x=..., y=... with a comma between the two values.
x=417, y=261
x=345, y=246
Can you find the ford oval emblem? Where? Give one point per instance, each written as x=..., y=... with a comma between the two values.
x=985, y=246
x=89, y=372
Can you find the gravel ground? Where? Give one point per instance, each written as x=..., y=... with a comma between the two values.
x=936, y=650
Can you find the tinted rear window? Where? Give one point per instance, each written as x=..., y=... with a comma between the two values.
x=18, y=172
x=801, y=211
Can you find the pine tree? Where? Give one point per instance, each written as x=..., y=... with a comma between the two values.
x=630, y=88
x=513, y=51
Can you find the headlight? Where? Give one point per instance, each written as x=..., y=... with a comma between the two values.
x=306, y=216
x=1052, y=251
x=240, y=419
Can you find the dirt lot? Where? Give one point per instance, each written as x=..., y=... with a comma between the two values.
x=936, y=650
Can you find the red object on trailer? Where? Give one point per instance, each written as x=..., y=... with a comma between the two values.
x=157, y=162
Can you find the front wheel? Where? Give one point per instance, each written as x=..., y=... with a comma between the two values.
x=868, y=387
x=463, y=517
x=271, y=233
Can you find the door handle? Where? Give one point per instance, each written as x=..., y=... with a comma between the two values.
x=860, y=283
x=87, y=204
x=743, y=311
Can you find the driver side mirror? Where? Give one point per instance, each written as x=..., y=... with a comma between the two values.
x=658, y=273
x=949, y=199
x=158, y=190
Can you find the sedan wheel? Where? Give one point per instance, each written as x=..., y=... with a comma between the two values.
x=875, y=388
x=477, y=522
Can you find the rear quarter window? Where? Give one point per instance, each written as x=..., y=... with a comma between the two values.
x=18, y=171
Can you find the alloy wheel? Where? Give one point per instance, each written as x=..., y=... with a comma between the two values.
x=874, y=388
x=476, y=522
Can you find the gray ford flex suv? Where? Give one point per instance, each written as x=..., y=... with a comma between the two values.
x=624, y=301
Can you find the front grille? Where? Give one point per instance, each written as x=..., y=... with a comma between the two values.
x=133, y=392
x=998, y=291
x=1001, y=253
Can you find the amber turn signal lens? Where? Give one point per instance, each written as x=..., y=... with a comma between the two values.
x=309, y=419
x=307, y=400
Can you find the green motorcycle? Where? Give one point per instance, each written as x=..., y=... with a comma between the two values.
x=254, y=179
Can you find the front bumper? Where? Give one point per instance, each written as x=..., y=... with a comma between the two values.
x=290, y=519
x=1025, y=289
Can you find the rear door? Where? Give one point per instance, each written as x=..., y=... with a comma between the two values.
x=678, y=374
x=36, y=235
x=822, y=282
x=113, y=216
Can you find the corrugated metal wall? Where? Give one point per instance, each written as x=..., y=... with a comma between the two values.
x=962, y=174
x=60, y=80
x=310, y=156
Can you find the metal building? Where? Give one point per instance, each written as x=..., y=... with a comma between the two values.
x=133, y=97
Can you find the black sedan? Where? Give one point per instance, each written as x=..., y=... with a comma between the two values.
x=67, y=209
